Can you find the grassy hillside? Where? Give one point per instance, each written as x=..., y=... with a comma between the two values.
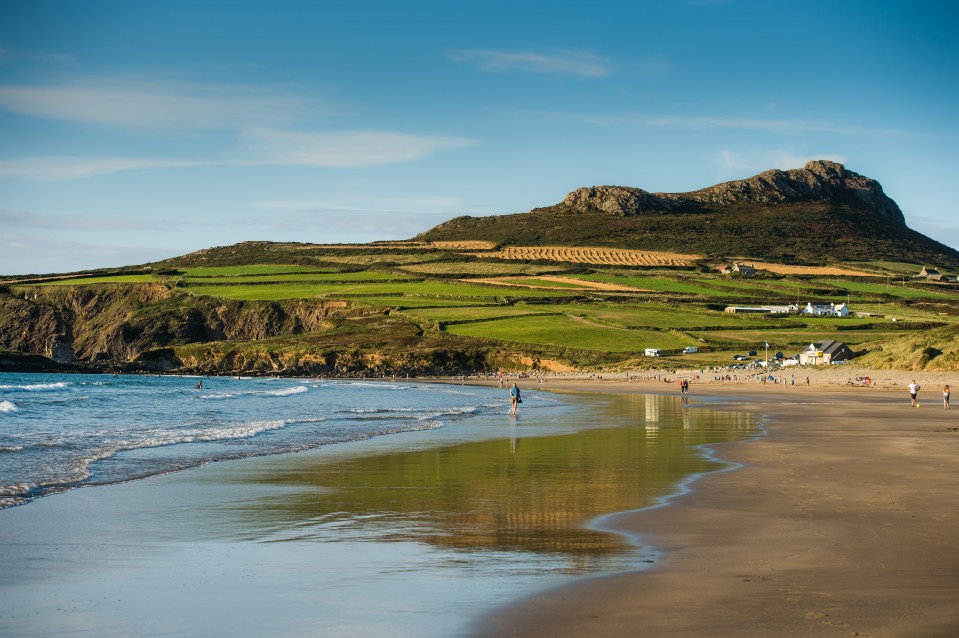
x=802, y=233
x=409, y=308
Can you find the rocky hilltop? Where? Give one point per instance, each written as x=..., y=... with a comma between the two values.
x=818, y=181
x=820, y=213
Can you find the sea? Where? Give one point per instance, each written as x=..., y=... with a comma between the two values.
x=62, y=431
x=138, y=505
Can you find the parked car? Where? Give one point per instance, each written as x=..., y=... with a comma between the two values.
x=690, y=350
x=752, y=353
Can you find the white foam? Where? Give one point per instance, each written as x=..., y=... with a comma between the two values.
x=7, y=406
x=299, y=389
x=34, y=387
x=285, y=392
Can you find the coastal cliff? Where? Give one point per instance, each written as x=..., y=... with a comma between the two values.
x=152, y=328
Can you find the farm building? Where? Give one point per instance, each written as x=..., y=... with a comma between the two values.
x=826, y=310
x=825, y=352
x=767, y=310
x=929, y=273
x=743, y=269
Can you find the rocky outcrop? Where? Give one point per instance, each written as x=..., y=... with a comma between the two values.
x=820, y=180
x=616, y=200
x=116, y=323
x=817, y=181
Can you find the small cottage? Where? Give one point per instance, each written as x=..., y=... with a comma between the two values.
x=825, y=353
x=744, y=270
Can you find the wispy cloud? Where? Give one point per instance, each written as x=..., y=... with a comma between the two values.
x=163, y=105
x=342, y=149
x=65, y=167
x=257, y=126
x=786, y=126
x=581, y=63
x=17, y=54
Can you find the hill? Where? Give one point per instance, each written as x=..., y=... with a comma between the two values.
x=592, y=283
x=821, y=213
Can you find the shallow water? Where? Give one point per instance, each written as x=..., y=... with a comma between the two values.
x=61, y=431
x=407, y=534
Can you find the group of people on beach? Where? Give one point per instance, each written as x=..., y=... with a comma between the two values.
x=914, y=395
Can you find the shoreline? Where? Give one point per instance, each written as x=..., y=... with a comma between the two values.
x=235, y=533
x=841, y=520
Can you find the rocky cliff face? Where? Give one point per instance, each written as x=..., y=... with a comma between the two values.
x=818, y=181
x=115, y=323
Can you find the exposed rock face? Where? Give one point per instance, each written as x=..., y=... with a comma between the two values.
x=820, y=180
x=817, y=181
x=614, y=200
x=117, y=323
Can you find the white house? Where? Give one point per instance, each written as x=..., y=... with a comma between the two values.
x=826, y=310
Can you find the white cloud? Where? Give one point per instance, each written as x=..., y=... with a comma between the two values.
x=58, y=168
x=165, y=105
x=260, y=125
x=785, y=126
x=579, y=63
x=342, y=149
x=339, y=149
x=745, y=164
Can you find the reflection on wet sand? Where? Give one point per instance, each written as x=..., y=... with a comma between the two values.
x=520, y=494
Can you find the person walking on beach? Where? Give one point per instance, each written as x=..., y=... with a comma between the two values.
x=515, y=399
x=945, y=397
x=914, y=392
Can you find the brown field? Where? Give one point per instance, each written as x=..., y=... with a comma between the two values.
x=601, y=256
x=461, y=245
x=579, y=283
x=784, y=269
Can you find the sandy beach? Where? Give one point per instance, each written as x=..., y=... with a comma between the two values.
x=840, y=520
x=843, y=521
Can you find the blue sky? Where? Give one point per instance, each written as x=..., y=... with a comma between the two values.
x=136, y=131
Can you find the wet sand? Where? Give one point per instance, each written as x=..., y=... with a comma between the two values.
x=844, y=521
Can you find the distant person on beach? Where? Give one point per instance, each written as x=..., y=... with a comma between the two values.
x=945, y=397
x=914, y=392
x=515, y=399
x=199, y=385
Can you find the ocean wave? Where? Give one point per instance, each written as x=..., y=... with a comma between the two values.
x=35, y=387
x=285, y=392
x=11, y=448
x=408, y=414
x=8, y=406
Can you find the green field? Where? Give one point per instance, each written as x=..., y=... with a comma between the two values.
x=658, y=284
x=109, y=279
x=563, y=331
x=484, y=268
x=251, y=269
x=318, y=277
x=891, y=289
x=335, y=290
x=438, y=302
